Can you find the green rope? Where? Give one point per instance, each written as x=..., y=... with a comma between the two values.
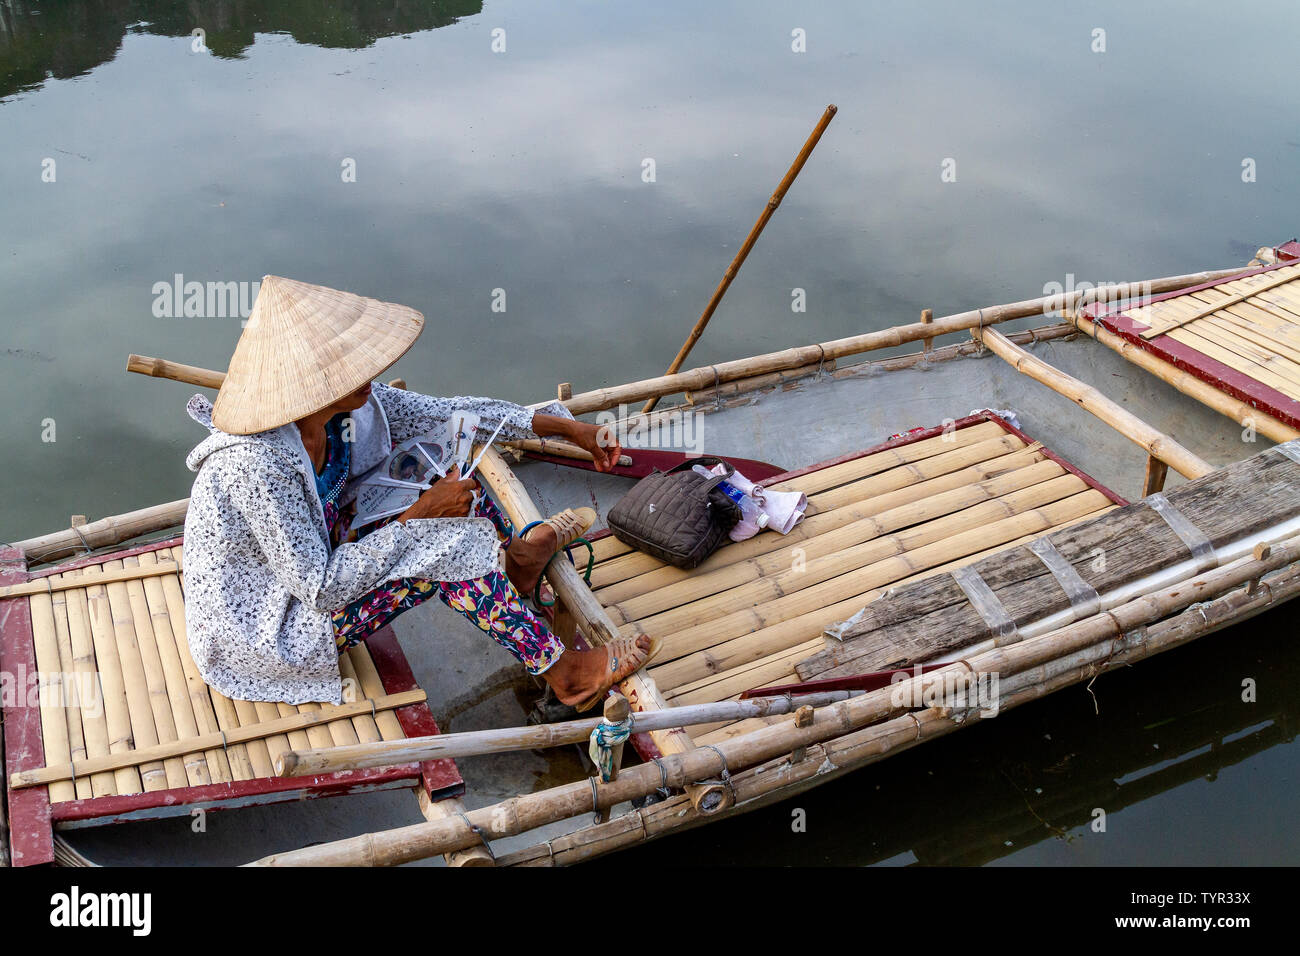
x=586, y=575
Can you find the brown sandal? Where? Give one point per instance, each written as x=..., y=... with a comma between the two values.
x=624, y=660
x=569, y=525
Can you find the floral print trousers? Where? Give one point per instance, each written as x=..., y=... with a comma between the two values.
x=491, y=603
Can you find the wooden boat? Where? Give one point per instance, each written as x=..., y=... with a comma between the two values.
x=1037, y=545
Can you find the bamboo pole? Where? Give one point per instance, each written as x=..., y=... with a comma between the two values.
x=708, y=376
x=94, y=724
x=106, y=531
x=528, y=811
x=747, y=245
x=74, y=704
x=236, y=735
x=1190, y=385
x=591, y=618
x=477, y=743
x=196, y=766
x=1157, y=444
x=161, y=368
x=205, y=717
x=452, y=808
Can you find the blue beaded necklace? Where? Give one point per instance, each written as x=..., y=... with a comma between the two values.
x=338, y=458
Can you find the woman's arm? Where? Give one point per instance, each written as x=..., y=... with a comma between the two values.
x=411, y=413
x=273, y=502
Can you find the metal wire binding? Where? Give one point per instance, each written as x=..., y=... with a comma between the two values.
x=664, y=790
x=596, y=815
x=478, y=832
x=724, y=778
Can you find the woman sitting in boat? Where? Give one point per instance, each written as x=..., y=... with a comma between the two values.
x=278, y=583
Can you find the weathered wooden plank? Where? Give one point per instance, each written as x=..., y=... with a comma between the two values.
x=918, y=621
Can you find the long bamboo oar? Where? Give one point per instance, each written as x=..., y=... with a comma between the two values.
x=748, y=244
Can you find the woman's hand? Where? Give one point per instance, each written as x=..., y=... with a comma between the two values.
x=448, y=497
x=600, y=441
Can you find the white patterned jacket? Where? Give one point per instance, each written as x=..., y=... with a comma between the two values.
x=260, y=578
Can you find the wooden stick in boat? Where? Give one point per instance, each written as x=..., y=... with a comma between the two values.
x=528, y=811
x=560, y=449
x=746, y=246
x=1158, y=444
x=236, y=735
x=476, y=743
x=48, y=585
x=1190, y=385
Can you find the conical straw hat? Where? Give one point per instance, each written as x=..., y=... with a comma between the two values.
x=304, y=348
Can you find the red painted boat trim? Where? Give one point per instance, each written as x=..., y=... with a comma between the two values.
x=31, y=841
x=647, y=460
x=441, y=778
x=158, y=804
x=1083, y=476
x=1186, y=358
x=1289, y=251
x=97, y=559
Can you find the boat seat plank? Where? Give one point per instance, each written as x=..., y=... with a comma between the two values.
x=746, y=616
x=1247, y=348
x=121, y=682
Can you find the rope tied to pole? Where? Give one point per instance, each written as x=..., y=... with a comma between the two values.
x=604, y=738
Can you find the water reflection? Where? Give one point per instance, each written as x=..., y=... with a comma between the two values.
x=39, y=41
x=1025, y=788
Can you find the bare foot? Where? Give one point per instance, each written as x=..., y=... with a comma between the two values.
x=527, y=555
x=579, y=675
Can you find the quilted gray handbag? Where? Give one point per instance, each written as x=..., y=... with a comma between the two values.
x=677, y=516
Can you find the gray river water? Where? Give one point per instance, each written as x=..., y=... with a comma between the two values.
x=558, y=188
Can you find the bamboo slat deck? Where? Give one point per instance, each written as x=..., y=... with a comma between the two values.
x=1240, y=335
x=911, y=508
x=915, y=623
x=115, y=678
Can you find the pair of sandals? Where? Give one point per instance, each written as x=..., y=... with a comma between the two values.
x=623, y=656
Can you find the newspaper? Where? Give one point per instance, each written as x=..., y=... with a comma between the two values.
x=397, y=482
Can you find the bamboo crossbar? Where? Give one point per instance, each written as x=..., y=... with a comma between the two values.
x=220, y=739
x=477, y=743
x=1157, y=443
x=51, y=583
x=1189, y=384
x=528, y=811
